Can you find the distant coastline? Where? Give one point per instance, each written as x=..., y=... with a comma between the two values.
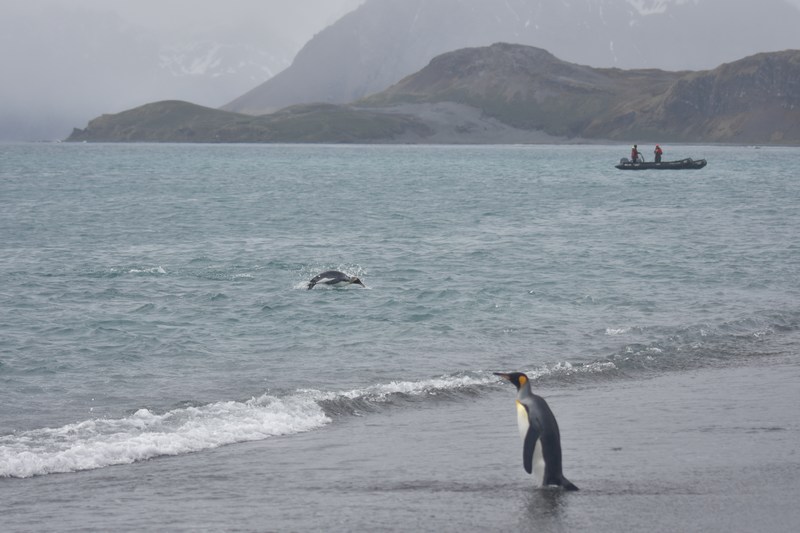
x=504, y=94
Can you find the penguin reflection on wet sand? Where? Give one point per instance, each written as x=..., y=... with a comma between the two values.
x=541, y=449
x=334, y=278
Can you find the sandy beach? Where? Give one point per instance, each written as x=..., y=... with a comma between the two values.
x=714, y=449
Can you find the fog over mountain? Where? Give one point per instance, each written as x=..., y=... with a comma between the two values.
x=65, y=61
x=384, y=40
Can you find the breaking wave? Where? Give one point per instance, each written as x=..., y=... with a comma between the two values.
x=143, y=435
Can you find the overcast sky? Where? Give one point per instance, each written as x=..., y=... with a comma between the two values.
x=64, y=62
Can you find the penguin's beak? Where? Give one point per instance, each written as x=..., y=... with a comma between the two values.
x=502, y=375
x=358, y=282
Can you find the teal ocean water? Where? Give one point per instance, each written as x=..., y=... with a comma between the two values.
x=153, y=308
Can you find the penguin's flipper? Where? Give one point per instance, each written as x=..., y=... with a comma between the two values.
x=531, y=437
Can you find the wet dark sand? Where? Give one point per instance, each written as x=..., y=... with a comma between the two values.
x=705, y=450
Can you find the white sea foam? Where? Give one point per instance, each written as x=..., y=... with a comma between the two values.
x=98, y=443
x=154, y=270
x=568, y=369
x=104, y=442
x=428, y=386
x=382, y=392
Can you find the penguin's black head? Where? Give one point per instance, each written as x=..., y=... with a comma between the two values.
x=357, y=281
x=517, y=378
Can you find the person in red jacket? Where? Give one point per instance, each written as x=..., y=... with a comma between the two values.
x=635, y=154
x=658, y=153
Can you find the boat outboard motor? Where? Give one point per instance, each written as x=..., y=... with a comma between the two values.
x=624, y=161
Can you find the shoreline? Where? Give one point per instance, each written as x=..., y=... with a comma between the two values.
x=712, y=449
x=565, y=143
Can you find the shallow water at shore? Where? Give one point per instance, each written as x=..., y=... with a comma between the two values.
x=709, y=450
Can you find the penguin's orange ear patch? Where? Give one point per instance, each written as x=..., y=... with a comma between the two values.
x=523, y=380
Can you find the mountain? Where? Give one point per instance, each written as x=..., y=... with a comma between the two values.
x=178, y=121
x=756, y=99
x=510, y=93
x=383, y=41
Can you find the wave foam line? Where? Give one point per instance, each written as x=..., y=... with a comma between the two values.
x=382, y=392
x=369, y=399
x=456, y=383
x=99, y=443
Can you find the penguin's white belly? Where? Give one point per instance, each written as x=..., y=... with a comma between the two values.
x=538, y=463
x=522, y=420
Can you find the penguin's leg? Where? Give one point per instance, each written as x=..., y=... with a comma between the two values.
x=552, y=468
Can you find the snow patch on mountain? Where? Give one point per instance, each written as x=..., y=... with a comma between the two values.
x=655, y=7
x=214, y=60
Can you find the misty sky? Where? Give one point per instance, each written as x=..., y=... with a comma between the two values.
x=64, y=62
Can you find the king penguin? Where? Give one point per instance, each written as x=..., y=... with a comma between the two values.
x=541, y=449
x=334, y=278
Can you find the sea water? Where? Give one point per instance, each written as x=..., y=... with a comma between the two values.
x=153, y=299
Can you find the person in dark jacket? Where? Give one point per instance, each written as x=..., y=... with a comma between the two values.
x=635, y=154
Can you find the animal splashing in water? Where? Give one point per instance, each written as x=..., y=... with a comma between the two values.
x=334, y=278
